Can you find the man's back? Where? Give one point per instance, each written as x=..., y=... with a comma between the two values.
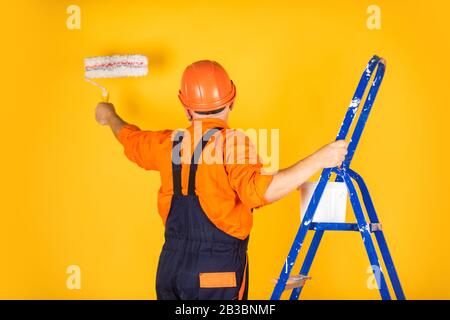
x=228, y=190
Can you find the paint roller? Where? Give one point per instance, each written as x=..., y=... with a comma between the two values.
x=116, y=66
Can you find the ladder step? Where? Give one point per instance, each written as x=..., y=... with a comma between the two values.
x=295, y=281
x=338, y=226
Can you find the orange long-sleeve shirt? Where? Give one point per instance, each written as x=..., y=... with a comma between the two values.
x=227, y=191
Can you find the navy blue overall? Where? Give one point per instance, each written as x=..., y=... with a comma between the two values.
x=194, y=246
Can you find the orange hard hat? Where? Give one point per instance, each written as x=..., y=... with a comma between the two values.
x=206, y=86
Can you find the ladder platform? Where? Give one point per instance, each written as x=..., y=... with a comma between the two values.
x=339, y=226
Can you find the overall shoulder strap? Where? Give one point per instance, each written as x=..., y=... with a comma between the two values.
x=176, y=162
x=196, y=157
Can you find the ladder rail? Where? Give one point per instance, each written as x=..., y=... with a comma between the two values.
x=364, y=115
x=308, y=261
x=382, y=243
x=300, y=236
x=357, y=97
x=364, y=229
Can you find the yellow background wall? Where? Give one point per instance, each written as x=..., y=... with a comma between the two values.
x=69, y=196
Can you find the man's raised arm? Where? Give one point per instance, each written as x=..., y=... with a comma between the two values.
x=105, y=114
x=289, y=179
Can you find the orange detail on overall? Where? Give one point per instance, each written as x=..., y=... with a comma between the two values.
x=218, y=280
x=244, y=280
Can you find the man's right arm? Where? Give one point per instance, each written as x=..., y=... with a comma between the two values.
x=105, y=114
x=141, y=147
x=289, y=179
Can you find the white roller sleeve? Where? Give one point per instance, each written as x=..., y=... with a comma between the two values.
x=116, y=66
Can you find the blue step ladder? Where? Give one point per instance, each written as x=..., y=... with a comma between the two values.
x=345, y=174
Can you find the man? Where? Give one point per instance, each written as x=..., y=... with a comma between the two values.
x=207, y=207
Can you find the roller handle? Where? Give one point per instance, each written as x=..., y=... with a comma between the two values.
x=105, y=93
x=105, y=97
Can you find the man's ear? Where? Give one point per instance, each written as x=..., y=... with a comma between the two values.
x=188, y=114
x=231, y=106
